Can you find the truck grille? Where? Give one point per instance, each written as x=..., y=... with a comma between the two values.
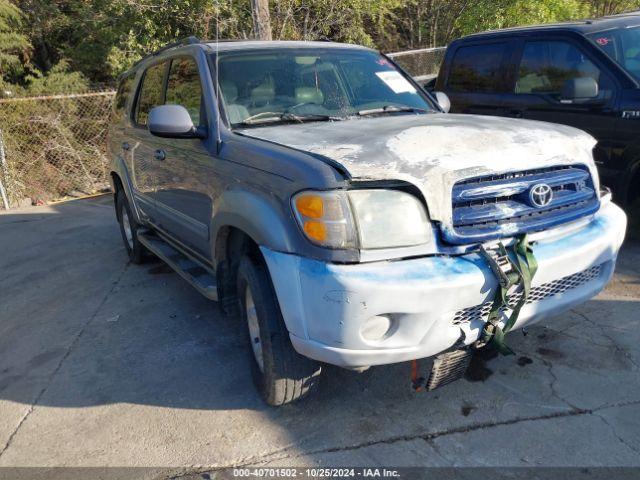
x=496, y=206
x=547, y=290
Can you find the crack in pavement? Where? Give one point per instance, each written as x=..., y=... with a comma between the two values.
x=554, y=381
x=427, y=437
x=615, y=434
x=623, y=351
x=62, y=360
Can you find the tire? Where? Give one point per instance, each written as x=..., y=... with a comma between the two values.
x=280, y=373
x=129, y=230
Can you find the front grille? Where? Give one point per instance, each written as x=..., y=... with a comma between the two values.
x=495, y=206
x=547, y=290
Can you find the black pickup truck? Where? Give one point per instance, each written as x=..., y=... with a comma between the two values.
x=584, y=74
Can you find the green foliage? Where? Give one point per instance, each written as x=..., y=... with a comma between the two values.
x=13, y=44
x=351, y=21
x=599, y=8
x=102, y=38
x=58, y=80
x=487, y=14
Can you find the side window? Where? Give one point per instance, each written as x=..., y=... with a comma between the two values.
x=546, y=65
x=123, y=93
x=477, y=68
x=183, y=87
x=151, y=92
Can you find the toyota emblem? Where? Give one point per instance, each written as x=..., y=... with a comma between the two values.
x=540, y=195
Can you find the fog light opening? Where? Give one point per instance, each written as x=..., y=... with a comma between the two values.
x=377, y=328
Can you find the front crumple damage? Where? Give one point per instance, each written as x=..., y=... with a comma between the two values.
x=431, y=299
x=435, y=151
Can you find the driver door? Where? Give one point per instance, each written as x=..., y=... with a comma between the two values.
x=187, y=172
x=543, y=67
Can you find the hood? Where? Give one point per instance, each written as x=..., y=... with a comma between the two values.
x=434, y=151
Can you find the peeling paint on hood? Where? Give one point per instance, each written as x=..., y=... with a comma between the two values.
x=434, y=151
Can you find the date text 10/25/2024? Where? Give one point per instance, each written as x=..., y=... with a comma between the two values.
x=316, y=472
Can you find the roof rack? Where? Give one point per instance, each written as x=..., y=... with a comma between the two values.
x=226, y=40
x=183, y=41
x=192, y=40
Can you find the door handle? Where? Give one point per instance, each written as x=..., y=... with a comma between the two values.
x=126, y=146
x=159, y=154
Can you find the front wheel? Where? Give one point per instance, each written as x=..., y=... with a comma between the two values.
x=280, y=373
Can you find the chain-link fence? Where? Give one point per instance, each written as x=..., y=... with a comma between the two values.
x=422, y=64
x=52, y=146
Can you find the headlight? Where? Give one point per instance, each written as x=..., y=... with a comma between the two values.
x=368, y=219
x=389, y=218
x=325, y=218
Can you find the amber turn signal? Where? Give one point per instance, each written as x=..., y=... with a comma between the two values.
x=311, y=206
x=315, y=230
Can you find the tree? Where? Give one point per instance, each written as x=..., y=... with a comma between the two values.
x=14, y=45
x=601, y=8
x=261, y=19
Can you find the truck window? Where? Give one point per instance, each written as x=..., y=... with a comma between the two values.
x=546, y=65
x=184, y=88
x=123, y=93
x=150, y=93
x=306, y=82
x=477, y=68
x=623, y=46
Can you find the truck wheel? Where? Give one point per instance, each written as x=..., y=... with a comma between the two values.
x=280, y=373
x=129, y=229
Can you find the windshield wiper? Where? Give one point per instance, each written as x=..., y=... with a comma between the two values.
x=390, y=109
x=275, y=117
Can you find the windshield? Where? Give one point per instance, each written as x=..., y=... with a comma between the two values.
x=296, y=85
x=622, y=45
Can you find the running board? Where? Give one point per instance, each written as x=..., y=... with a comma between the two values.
x=193, y=272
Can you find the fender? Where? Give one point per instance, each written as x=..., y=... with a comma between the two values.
x=119, y=168
x=260, y=218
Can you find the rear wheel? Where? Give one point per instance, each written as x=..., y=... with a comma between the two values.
x=129, y=229
x=280, y=373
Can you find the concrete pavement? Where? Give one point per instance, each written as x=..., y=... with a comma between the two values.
x=103, y=363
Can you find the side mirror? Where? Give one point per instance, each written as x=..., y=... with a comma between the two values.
x=443, y=101
x=172, y=121
x=577, y=89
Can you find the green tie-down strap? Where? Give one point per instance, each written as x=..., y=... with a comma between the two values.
x=514, y=267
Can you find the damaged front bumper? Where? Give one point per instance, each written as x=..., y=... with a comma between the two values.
x=420, y=307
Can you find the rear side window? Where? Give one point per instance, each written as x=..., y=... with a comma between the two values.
x=123, y=93
x=546, y=65
x=478, y=68
x=150, y=92
x=184, y=88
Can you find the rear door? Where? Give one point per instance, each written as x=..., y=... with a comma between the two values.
x=477, y=76
x=544, y=65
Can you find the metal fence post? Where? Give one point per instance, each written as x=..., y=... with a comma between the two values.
x=3, y=164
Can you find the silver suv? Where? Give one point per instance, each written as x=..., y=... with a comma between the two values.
x=317, y=192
